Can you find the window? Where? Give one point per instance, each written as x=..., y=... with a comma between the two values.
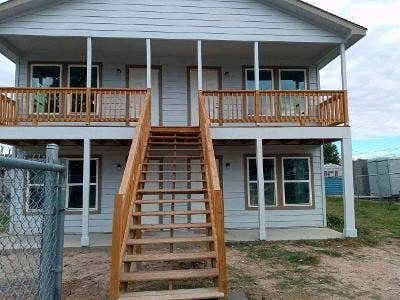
x=45, y=76
x=266, y=79
x=77, y=79
x=269, y=182
x=296, y=181
x=35, y=190
x=292, y=80
x=74, y=197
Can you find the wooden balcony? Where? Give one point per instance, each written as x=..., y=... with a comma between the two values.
x=70, y=105
x=314, y=108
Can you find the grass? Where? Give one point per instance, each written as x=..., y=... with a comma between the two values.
x=240, y=281
x=377, y=222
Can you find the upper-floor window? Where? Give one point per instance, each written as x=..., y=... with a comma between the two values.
x=266, y=79
x=292, y=80
x=45, y=76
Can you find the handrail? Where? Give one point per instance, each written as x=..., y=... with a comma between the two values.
x=7, y=110
x=124, y=200
x=66, y=105
x=214, y=193
x=315, y=107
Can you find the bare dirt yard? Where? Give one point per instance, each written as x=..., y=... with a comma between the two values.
x=363, y=268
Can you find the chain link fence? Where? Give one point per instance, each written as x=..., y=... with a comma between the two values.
x=31, y=225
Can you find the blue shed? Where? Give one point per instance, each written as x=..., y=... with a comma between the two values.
x=333, y=186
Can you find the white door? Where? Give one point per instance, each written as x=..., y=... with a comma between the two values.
x=210, y=82
x=137, y=80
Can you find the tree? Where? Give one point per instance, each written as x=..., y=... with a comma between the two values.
x=331, y=154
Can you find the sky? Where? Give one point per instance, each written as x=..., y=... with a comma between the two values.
x=373, y=66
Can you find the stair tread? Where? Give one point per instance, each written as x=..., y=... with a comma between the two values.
x=171, y=191
x=174, y=143
x=181, y=294
x=172, y=149
x=170, y=256
x=172, y=180
x=173, y=171
x=170, y=213
x=174, y=164
x=168, y=275
x=170, y=201
x=171, y=226
x=169, y=240
x=173, y=156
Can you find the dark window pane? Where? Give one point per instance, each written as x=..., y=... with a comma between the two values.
x=269, y=194
x=293, y=80
x=253, y=194
x=46, y=76
x=36, y=177
x=296, y=169
x=92, y=197
x=75, y=196
x=297, y=193
x=75, y=171
x=93, y=173
x=265, y=80
x=77, y=77
x=269, y=172
x=36, y=197
x=252, y=170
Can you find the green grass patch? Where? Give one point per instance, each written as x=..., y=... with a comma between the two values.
x=330, y=252
x=376, y=221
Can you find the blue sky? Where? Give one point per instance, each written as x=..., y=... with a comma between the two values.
x=373, y=74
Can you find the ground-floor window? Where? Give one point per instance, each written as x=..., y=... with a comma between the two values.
x=34, y=190
x=269, y=166
x=74, y=196
x=296, y=175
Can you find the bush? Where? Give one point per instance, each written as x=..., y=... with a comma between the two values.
x=335, y=222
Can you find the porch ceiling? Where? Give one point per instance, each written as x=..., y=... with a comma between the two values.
x=67, y=48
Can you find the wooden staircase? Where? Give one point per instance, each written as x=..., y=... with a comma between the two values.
x=168, y=236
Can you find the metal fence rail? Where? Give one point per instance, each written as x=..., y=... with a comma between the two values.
x=31, y=225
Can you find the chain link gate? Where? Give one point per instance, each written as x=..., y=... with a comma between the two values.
x=31, y=225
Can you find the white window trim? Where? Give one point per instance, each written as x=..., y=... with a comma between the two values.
x=261, y=69
x=69, y=102
x=31, y=80
x=265, y=181
x=28, y=195
x=81, y=184
x=294, y=181
x=305, y=77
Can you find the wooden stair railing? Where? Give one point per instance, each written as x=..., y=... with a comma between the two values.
x=214, y=192
x=124, y=200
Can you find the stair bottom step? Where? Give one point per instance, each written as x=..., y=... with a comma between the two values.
x=201, y=293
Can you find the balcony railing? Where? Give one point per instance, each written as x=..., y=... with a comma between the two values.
x=66, y=105
x=317, y=108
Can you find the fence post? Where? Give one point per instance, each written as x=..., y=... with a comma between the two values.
x=60, y=236
x=49, y=229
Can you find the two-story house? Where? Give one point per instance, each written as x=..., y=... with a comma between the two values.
x=200, y=116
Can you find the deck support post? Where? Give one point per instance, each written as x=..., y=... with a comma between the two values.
x=261, y=195
x=256, y=82
x=343, y=66
x=85, y=242
x=89, y=63
x=148, y=63
x=349, y=229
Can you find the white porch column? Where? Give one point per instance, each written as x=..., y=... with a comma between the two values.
x=343, y=66
x=86, y=193
x=89, y=62
x=148, y=63
x=261, y=195
x=256, y=66
x=348, y=190
x=199, y=66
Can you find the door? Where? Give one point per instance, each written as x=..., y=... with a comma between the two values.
x=211, y=81
x=137, y=80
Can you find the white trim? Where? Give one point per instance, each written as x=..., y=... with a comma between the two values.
x=343, y=66
x=305, y=77
x=256, y=66
x=89, y=62
x=297, y=181
x=67, y=184
x=199, y=66
x=31, y=110
x=148, y=64
x=265, y=181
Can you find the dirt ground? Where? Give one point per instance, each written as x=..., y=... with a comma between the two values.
x=293, y=270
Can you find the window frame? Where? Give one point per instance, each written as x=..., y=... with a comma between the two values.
x=248, y=181
x=309, y=181
x=300, y=69
x=31, y=103
x=67, y=185
x=261, y=69
x=28, y=194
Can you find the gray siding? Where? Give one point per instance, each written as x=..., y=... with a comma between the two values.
x=236, y=215
x=248, y=20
